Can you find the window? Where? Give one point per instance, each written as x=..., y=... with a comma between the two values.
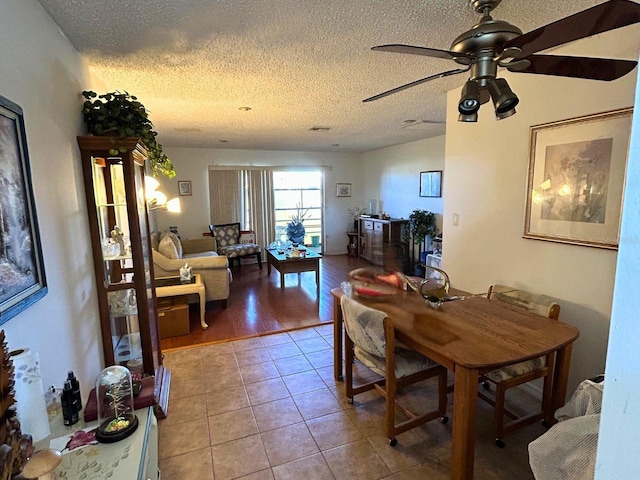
x=299, y=188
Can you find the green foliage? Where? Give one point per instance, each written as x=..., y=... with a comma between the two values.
x=421, y=224
x=122, y=115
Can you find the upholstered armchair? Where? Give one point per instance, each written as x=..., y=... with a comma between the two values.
x=171, y=253
x=228, y=239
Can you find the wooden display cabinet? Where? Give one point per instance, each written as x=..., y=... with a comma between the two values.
x=119, y=227
x=381, y=241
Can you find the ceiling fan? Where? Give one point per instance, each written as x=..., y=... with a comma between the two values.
x=495, y=43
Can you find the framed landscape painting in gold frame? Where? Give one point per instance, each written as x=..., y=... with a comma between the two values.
x=576, y=179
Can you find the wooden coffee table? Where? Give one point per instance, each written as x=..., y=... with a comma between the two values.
x=285, y=264
x=173, y=286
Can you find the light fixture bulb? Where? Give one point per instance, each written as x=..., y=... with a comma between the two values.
x=504, y=100
x=174, y=206
x=470, y=99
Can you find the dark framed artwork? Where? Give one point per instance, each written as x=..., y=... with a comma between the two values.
x=22, y=277
x=431, y=183
x=577, y=170
x=343, y=189
x=184, y=187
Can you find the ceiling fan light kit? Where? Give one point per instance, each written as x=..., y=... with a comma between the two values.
x=495, y=43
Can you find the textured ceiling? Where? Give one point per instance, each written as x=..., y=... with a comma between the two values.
x=297, y=63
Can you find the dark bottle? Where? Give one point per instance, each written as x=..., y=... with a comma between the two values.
x=75, y=387
x=69, y=405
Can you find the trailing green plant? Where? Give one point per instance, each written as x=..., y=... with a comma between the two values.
x=121, y=115
x=421, y=224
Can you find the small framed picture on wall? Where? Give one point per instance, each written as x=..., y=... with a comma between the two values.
x=184, y=187
x=431, y=183
x=343, y=189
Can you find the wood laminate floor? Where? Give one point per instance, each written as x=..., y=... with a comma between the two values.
x=257, y=305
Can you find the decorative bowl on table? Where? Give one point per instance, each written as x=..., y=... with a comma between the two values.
x=375, y=284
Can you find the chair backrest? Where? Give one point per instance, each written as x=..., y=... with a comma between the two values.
x=365, y=326
x=226, y=234
x=543, y=305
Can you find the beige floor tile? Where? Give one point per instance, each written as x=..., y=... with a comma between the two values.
x=284, y=351
x=325, y=330
x=259, y=372
x=247, y=344
x=433, y=470
x=303, y=334
x=261, y=475
x=181, y=356
x=409, y=451
x=304, y=382
x=322, y=358
x=226, y=400
x=276, y=414
x=185, y=409
x=266, y=391
x=228, y=426
x=369, y=418
x=313, y=467
x=186, y=367
x=276, y=339
x=239, y=457
x=333, y=430
x=196, y=464
x=356, y=461
x=314, y=344
x=316, y=404
x=220, y=362
x=216, y=349
x=185, y=385
x=182, y=438
x=228, y=378
x=291, y=365
x=251, y=357
x=288, y=443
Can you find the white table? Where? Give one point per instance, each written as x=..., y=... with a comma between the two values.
x=178, y=288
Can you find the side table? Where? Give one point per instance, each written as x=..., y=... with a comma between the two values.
x=352, y=248
x=172, y=286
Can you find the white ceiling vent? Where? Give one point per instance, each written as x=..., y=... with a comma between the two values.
x=320, y=129
x=418, y=125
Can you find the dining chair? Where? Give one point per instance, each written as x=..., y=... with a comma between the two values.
x=517, y=374
x=370, y=337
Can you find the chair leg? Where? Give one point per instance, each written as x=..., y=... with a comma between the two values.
x=259, y=256
x=348, y=367
x=498, y=418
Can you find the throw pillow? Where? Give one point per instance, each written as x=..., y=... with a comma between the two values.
x=168, y=248
x=176, y=241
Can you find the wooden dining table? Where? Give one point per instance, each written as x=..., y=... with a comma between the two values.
x=470, y=337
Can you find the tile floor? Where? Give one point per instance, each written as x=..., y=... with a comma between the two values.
x=269, y=408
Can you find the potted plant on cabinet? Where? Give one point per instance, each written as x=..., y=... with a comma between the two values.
x=121, y=115
x=422, y=223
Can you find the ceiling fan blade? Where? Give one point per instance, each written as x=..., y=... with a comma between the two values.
x=417, y=82
x=424, y=51
x=605, y=69
x=601, y=18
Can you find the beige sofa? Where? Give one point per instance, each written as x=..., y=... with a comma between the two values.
x=170, y=254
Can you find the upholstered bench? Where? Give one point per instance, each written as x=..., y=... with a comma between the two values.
x=228, y=238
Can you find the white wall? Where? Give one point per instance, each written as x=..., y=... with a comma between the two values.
x=192, y=164
x=485, y=183
x=392, y=176
x=41, y=72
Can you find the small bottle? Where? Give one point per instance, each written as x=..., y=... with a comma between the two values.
x=69, y=405
x=75, y=387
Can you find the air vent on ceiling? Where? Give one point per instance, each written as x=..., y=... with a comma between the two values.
x=320, y=129
x=418, y=124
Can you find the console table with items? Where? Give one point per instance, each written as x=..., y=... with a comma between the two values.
x=173, y=286
x=134, y=458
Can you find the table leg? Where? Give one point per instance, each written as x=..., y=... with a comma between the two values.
x=464, y=423
x=203, y=303
x=337, y=340
x=560, y=377
x=282, y=280
x=318, y=275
